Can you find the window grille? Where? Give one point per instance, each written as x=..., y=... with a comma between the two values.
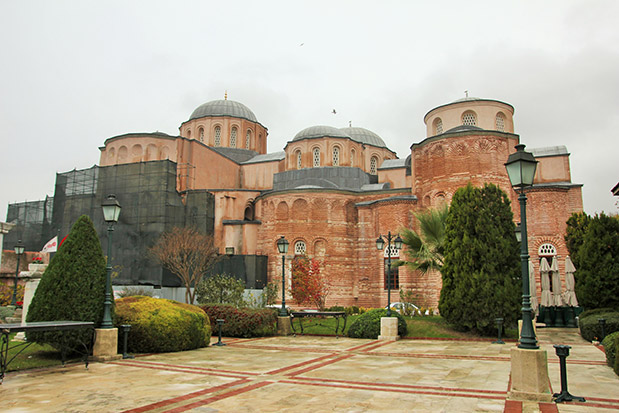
x=233, y=138
x=299, y=248
x=316, y=157
x=469, y=118
x=336, y=156
x=217, y=136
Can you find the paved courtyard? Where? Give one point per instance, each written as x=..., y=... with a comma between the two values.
x=315, y=374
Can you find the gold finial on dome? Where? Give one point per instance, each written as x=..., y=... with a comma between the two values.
x=226, y=95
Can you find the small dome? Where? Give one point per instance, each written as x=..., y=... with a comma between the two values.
x=320, y=131
x=366, y=136
x=223, y=108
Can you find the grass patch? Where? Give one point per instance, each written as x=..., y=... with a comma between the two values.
x=33, y=356
x=418, y=327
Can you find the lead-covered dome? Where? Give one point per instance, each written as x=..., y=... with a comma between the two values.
x=365, y=136
x=320, y=131
x=223, y=108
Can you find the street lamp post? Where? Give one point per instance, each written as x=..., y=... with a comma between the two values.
x=19, y=250
x=380, y=243
x=111, y=212
x=521, y=168
x=282, y=247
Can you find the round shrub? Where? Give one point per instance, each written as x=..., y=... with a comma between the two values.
x=368, y=324
x=590, y=327
x=610, y=348
x=159, y=325
x=242, y=322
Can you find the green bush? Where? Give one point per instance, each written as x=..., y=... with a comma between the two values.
x=610, y=348
x=590, y=327
x=72, y=288
x=367, y=325
x=159, y=325
x=221, y=289
x=616, y=368
x=242, y=322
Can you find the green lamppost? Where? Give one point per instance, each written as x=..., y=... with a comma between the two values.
x=19, y=250
x=282, y=247
x=521, y=168
x=111, y=212
x=380, y=243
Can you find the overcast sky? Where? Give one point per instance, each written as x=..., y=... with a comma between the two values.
x=74, y=73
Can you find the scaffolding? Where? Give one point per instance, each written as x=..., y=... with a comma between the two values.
x=150, y=205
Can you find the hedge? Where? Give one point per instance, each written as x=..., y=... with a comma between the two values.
x=590, y=327
x=610, y=348
x=367, y=325
x=159, y=325
x=242, y=322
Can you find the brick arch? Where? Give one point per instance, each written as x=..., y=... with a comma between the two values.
x=282, y=211
x=555, y=240
x=337, y=209
x=486, y=145
x=320, y=247
x=319, y=210
x=352, y=215
x=300, y=208
x=457, y=149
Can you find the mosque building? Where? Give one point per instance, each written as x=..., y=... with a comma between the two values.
x=331, y=192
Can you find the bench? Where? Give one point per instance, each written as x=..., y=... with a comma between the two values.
x=302, y=314
x=7, y=329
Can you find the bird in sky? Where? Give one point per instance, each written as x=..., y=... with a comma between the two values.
x=334, y=112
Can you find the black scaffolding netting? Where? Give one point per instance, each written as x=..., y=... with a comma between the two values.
x=150, y=205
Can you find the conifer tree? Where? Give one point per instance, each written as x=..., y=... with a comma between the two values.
x=597, y=264
x=481, y=273
x=72, y=287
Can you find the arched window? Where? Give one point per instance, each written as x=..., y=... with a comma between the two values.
x=438, y=126
x=298, y=154
x=299, y=248
x=316, y=153
x=217, y=136
x=201, y=134
x=547, y=250
x=500, y=122
x=247, y=139
x=188, y=133
x=336, y=156
x=373, y=165
x=233, y=137
x=469, y=118
x=352, y=157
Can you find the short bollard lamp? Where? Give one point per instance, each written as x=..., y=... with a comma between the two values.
x=282, y=247
x=380, y=244
x=521, y=168
x=111, y=212
x=19, y=250
x=125, y=329
x=220, y=323
x=499, y=327
x=563, y=351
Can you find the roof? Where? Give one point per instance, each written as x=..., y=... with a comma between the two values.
x=223, y=108
x=393, y=164
x=267, y=157
x=364, y=136
x=320, y=131
x=237, y=155
x=356, y=134
x=549, y=151
x=463, y=128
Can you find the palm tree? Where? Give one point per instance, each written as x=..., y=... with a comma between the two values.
x=424, y=250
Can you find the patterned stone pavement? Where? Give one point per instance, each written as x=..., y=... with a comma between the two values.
x=315, y=374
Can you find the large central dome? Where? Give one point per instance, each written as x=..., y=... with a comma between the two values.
x=364, y=136
x=223, y=108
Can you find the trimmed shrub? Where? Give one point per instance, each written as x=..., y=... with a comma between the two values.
x=590, y=327
x=610, y=348
x=367, y=325
x=72, y=288
x=242, y=322
x=159, y=325
x=616, y=368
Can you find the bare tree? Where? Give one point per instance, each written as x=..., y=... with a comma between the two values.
x=188, y=254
